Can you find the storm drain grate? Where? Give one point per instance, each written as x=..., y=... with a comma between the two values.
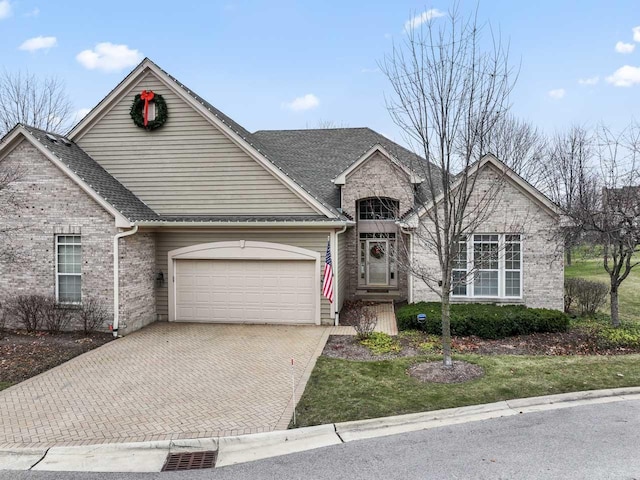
x=190, y=461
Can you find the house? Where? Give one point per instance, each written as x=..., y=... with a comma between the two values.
x=191, y=218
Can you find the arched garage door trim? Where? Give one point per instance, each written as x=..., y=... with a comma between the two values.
x=241, y=250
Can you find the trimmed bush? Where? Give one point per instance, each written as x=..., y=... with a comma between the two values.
x=361, y=316
x=587, y=295
x=56, y=317
x=93, y=315
x=28, y=309
x=483, y=320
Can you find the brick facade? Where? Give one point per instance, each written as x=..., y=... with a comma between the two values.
x=376, y=177
x=137, y=281
x=513, y=211
x=47, y=203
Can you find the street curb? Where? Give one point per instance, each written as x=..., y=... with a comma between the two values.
x=150, y=456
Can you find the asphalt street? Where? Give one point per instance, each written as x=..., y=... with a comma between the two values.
x=589, y=442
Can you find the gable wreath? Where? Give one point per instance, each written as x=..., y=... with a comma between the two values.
x=139, y=110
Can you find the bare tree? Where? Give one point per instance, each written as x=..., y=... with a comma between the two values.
x=520, y=145
x=615, y=219
x=449, y=93
x=568, y=178
x=329, y=124
x=8, y=203
x=27, y=99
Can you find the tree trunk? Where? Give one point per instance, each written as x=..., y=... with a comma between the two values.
x=568, y=256
x=446, y=330
x=615, y=316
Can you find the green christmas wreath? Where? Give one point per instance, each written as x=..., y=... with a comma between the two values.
x=137, y=111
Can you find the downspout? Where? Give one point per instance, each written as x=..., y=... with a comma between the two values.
x=344, y=229
x=410, y=233
x=116, y=275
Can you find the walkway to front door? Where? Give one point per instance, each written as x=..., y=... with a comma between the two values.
x=386, y=321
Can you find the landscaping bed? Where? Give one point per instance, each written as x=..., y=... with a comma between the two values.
x=24, y=355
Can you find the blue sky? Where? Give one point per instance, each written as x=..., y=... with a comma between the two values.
x=284, y=64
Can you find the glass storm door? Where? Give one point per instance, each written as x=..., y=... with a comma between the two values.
x=377, y=262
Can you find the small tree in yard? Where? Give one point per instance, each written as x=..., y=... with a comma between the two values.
x=614, y=221
x=449, y=94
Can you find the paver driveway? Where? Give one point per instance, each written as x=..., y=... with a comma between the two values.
x=166, y=381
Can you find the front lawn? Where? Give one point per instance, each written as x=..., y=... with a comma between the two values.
x=342, y=390
x=4, y=385
x=593, y=269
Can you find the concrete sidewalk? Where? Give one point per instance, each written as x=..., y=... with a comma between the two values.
x=150, y=456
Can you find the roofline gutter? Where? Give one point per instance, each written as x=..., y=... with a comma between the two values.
x=116, y=277
x=196, y=224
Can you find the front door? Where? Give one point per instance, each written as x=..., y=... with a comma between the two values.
x=377, y=262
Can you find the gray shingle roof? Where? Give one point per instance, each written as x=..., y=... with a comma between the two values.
x=318, y=156
x=103, y=183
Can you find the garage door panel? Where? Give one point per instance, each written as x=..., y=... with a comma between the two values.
x=245, y=291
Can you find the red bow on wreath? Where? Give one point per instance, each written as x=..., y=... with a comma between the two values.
x=147, y=96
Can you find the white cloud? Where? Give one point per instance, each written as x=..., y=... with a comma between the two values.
x=589, y=81
x=622, y=47
x=33, y=13
x=5, y=9
x=557, y=94
x=306, y=102
x=109, y=57
x=80, y=114
x=636, y=33
x=387, y=36
x=625, y=76
x=424, y=17
x=38, y=43
x=370, y=70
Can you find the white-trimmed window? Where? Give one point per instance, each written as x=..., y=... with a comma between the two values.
x=68, y=269
x=488, y=266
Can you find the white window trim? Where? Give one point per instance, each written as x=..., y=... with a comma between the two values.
x=58, y=274
x=501, y=270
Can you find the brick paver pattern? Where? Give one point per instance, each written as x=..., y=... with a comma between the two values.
x=167, y=381
x=386, y=321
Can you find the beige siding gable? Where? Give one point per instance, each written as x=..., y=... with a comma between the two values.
x=188, y=166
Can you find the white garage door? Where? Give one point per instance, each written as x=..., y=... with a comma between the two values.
x=245, y=291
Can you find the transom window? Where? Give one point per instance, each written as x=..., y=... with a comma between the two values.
x=68, y=269
x=488, y=265
x=378, y=209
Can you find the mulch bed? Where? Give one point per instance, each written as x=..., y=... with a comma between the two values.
x=574, y=342
x=23, y=355
x=436, y=372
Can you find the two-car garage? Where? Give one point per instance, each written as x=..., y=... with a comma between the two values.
x=244, y=282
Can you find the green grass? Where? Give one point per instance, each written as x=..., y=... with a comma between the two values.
x=343, y=390
x=593, y=269
x=4, y=385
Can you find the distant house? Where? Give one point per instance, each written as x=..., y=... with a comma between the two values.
x=199, y=220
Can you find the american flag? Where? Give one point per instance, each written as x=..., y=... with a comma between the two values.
x=327, y=282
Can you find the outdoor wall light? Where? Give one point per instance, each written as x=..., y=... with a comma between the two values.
x=160, y=279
